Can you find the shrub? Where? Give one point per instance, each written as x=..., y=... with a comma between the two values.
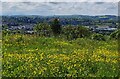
x=115, y=34
x=118, y=35
x=56, y=27
x=6, y=32
x=43, y=29
x=73, y=32
x=99, y=37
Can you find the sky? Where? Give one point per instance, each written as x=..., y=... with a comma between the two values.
x=58, y=8
x=60, y=0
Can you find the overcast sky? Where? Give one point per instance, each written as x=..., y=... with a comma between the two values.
x=59, y=8
x=60, y=0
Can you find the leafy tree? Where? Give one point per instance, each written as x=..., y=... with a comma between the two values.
x=43, y=29
x=115, y=34
x=5, y=30
x=73, y=32
x=56, y=27
x=99, y=37
x=5, y=27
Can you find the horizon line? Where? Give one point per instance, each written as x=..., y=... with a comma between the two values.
x=62, y=15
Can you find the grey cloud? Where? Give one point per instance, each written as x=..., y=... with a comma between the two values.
x=48, y=8
x=58, y=3
x=111, y=8
x=55, y=3
x=99, y=2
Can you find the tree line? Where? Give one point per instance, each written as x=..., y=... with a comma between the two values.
x=69, y=32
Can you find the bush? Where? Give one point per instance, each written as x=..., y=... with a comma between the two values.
x=99, y=37
x=6, y=32
x=56, y=27
x=115, y=35
x=73, y=32
x=118, y=35
x=43, y=29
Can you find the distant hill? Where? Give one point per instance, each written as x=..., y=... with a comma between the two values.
x=86, y=20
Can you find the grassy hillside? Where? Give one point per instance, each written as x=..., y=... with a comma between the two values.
x=27, y=55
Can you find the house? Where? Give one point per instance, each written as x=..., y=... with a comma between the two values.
x=22, y=27
x=104, y=30
x=29, y=32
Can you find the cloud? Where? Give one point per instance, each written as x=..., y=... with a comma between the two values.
x=0, y=8
x=99, y=2
x=61, y=8
x=54, y=3
x=60, y=0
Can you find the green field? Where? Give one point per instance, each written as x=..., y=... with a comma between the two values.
x=33, y=56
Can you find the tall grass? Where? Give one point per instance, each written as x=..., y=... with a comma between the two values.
x=33, y=56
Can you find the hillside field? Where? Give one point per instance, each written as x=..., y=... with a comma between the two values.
x=33, y=56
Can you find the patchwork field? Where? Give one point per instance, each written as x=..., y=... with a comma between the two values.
x=32, y=56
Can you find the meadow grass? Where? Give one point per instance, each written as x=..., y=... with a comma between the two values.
x=33, y=56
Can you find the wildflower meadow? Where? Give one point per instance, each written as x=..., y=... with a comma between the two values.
x=33, y=56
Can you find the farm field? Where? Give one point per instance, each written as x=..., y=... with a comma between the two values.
x=32, y=56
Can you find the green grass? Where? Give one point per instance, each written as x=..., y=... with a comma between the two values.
x=32, y=56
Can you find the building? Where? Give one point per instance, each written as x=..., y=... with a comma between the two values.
x=104, y=30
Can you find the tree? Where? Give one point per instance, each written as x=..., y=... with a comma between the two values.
x=73, y=32
x=5, y=27
x=42, y=29
x=56, y=27
x=115, y=34
x=99, y=37
x=5, y=30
